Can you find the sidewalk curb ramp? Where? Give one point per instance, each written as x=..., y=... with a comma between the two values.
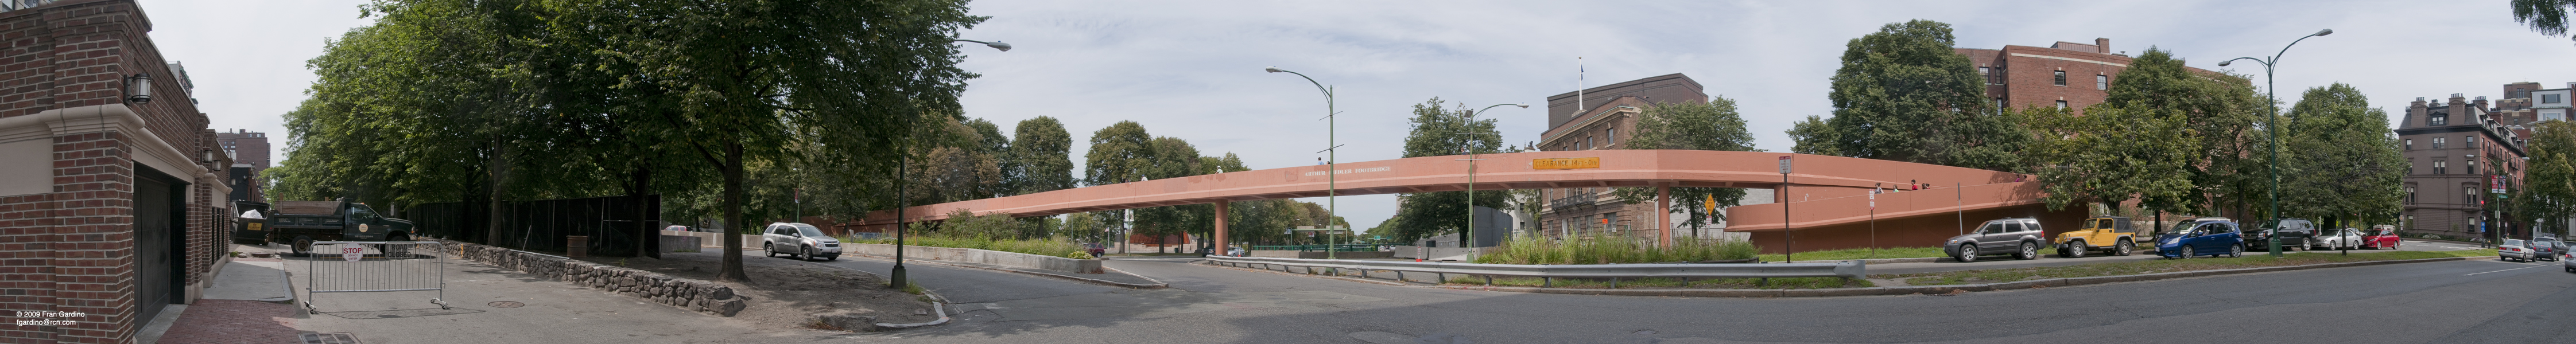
x=1158, y=284
x=1901, y=290
x=938, y=305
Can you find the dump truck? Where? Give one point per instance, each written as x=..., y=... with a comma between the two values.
x=2109, y=234
x=301, y=223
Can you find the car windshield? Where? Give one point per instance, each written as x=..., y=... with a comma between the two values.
x=2178, y=228
x=2513, y=242
x=808, y=230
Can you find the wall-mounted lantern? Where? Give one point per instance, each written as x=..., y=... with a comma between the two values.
x=138, y=88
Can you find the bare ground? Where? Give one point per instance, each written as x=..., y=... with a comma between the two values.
x=786, y=293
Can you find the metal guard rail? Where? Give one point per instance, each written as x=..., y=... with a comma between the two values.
x=1847, y=269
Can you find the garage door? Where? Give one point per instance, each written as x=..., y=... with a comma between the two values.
x=157, y=224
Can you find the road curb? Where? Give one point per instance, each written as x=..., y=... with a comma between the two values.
x=938, y=304
x=1158, y=284
x=1935, y=289
x=1331, y=277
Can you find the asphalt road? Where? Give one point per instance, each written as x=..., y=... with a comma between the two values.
x=2445, y=302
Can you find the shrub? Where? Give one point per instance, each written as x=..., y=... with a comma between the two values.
x=1604, y=249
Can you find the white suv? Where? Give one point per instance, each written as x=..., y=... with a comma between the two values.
x=801, y=240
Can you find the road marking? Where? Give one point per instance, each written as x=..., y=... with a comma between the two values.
x=2520, y=268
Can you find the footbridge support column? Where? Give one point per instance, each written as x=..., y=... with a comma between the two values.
x=1664, y=215
x=1221, y=248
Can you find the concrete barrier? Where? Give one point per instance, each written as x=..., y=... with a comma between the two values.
x=679, y=243
x=1318, y=254
x=1020, y=260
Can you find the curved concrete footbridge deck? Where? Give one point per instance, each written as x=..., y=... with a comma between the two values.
x=1827, y=196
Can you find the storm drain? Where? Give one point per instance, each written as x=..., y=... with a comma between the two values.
x=330, y=338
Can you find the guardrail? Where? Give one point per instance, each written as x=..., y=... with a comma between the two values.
x=1549, y=273
x=1336, y=248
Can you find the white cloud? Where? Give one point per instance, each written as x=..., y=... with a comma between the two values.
x=1192, y=69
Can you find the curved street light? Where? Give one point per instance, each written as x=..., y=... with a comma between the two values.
x=897, y=278
x=2273, y=134
x=1332, y=176
x=1468, y=234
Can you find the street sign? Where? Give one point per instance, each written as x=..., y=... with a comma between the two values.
x=1873, y=198
x=1784, y=164
x=1711, y=203
x=352, y=252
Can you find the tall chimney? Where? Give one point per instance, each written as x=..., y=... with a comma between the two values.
x=2102, y=43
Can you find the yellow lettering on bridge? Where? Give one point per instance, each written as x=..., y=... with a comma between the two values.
x=1565, y=163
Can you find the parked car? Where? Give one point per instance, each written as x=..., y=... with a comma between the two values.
x=2337, y=238
x=2567, y=260
x=801, y=240
x=2546, y=247
x=2202, y=236
x=2381, y=237
x=2514, y=250
x=2294, y=234
x=2109, y=234
x=2019, y=236
x=1096, y=249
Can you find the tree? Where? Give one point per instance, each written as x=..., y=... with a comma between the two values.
x=1174, y=158
x=1437, y=131
x=1119, y=154
x=2551, y=177
x=2340, y=161
x=2219, y=111
x=1712, y=125
x=2549, y=17
x=1814, y=136
x=1903, y=94
x=2111, y=154
x=1041, y=157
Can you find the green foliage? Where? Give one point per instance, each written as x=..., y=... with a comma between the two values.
x=2111, y=154
x=1439, y=129
x=1605, y=249
x=2548, y=17
x=1041, y=154
x=1903, y=94
x=1712, y=125
x=2339, y=160
x=2220, y=111
x=1814, y=136
x=1119, y=154
x=2550, y=177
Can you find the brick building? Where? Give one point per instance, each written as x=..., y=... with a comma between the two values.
x=1602, y=118
x=109, y=205
x=249, y=150
x=2067, y=74
x=2452, y=150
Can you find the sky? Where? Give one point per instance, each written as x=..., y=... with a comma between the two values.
x=1193, y=69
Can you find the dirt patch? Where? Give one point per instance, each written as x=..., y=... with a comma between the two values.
x=785, y=293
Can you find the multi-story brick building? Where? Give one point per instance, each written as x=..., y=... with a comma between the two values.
x=2067, y=75
x=249, y=150
x=2454, y=150
x=109, y=203
x=1602, y=118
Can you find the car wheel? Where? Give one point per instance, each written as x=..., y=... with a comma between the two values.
x=2237, y=251
x=2028, y=251
x=768, y=251
x=1968, y=253
x=302, y=246
x=2186, y=252
x=805, y=253
x=2124, y=248
x=2075, y=249
x=2307, y=246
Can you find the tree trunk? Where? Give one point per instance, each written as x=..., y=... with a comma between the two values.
x=731, y=270
x=648, y=238
x=492, y=197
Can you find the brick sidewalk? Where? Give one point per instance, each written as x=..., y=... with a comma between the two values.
x=234, y=322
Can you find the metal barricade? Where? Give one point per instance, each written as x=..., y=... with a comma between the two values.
x=375, y=266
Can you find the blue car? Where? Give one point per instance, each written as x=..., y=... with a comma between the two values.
x=2203, y=236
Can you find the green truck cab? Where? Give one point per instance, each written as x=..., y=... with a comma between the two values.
x=301, y=223
x=2110, y=234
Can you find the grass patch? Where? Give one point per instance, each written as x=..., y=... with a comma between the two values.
x=1672, y=283
x=2164, y=265
x=1862, y=253
x=1605, y=249
x=1043, y=247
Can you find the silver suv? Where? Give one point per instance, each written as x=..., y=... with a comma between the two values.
x=2019, y=236
x=801, y=240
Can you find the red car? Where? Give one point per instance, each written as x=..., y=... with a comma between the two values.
x=2380, y=237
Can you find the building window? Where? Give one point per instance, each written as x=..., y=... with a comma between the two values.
x=2061, y=105
x=2469, y=142
x=2437, y=143
x=2410, y=144
x=2549, y=99
x=1984, y=71
x=2441, y=167
x=2441, y=120
x=2101, y=82
x=2061, y=78
x=2471, y=166
x=2410, y=194
x=1610, y=136
x=1587, y=143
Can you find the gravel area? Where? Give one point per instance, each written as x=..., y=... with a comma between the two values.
x=788, y=293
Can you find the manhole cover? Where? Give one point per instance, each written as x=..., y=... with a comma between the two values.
x=330, y=338
x=507, y=304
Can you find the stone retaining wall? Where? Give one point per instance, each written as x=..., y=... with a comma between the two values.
x=702, y=296
x=1022, y=260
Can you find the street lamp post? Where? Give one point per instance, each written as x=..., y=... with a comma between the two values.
x=1332, y=176
x=2273, y=134
x=903, y=165
x=1467, y=234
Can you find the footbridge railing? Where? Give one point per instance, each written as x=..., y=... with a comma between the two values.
x=1847, y=269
